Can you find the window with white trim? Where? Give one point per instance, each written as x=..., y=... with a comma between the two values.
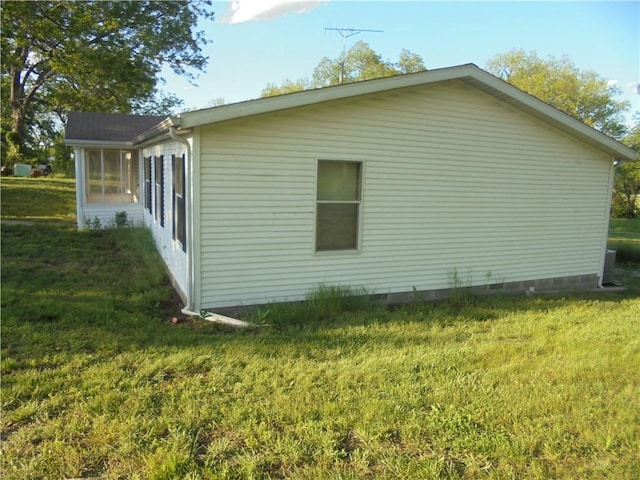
x=111, y=176
x=338, y=198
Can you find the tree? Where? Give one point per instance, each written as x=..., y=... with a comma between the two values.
x=410, y=62
x=626, y=189
x=288, y=86
x=161, y=103
x=582, y=94
x=216, y=102
x=361, y=62
x=91, y=55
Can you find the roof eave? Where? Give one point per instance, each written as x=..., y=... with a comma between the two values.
x=77, y=142
x=469, y=73
x=156, y=131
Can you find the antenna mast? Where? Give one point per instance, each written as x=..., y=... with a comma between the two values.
x=346, y=33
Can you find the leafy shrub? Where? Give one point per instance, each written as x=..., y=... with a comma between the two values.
x=121, y=219
x=94, y=223
x=626, y=191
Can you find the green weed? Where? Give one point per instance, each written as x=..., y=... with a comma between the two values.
x=324, y=304
x=460, y=288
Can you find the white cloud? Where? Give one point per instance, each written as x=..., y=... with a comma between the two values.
x=634, y=87
x=612, y=83
x=241, y=11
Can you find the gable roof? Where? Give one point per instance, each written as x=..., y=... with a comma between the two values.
x=95, y=127
x=470, y=74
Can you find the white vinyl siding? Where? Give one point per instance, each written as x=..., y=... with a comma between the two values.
x=160, y=216
x=455, y=181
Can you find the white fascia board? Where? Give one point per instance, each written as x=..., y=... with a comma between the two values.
x=160, y=137
x=96, y=143
x=159, y=129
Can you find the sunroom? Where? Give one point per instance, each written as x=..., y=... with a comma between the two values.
x=109, y=166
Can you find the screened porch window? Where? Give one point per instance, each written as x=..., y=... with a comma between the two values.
x=338, y=205
x=112, y=176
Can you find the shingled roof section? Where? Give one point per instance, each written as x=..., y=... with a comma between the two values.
x=108, y=127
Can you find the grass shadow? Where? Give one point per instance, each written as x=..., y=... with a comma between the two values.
x=86, y=291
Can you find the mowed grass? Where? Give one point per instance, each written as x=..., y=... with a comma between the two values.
x=38, y=199
x=624, y=238
x=97, y=381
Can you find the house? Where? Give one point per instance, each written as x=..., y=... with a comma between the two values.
x=413, y=184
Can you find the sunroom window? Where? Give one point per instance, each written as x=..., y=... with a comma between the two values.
x=112, y=176
x=338, y=205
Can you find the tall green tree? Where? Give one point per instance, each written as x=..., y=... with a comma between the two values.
x=626, y=188
x=288, y=86
x=583, y=94
x=91, y=55
x=361, y=62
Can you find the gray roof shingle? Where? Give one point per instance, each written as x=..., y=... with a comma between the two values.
x=108, y=127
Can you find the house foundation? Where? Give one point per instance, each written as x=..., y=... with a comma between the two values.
x=573, y=283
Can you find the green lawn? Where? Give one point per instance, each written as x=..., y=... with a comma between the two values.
x=38, y=199
x=624, y=237
x=98, y=382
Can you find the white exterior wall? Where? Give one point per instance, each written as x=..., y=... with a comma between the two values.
x=105, y=212
x=170, y=250
x=453, y=181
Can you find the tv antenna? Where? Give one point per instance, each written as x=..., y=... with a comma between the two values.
x=346, y=33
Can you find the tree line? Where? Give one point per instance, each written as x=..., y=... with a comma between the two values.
x=360, y=63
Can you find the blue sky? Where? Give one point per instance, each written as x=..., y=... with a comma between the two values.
x=256, y=42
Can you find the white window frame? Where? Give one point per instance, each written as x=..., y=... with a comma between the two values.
x=121, y=197
x=360, y=203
